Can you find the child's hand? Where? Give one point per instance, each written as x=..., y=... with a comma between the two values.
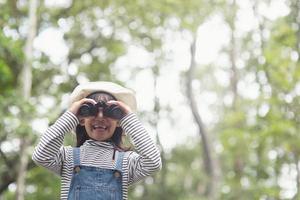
x=125, y=108
x=77, y=104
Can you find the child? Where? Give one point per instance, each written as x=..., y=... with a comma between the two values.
x=99, y=167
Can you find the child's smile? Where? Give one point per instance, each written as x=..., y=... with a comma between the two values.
x=100, y=128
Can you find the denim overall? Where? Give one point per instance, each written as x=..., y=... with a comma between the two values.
x=93, y=183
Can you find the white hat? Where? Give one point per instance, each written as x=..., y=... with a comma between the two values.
x=120, y=93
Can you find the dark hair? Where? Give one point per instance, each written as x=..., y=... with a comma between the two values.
x=117, y=137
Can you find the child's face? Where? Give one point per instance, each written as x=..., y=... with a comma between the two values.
x=100, y=127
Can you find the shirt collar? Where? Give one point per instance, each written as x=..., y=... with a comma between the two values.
x=99, y=143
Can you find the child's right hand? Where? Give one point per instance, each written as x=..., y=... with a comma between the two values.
x=77, y=104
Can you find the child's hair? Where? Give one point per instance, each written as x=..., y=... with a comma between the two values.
x=116, y=139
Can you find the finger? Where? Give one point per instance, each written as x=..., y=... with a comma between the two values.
x=121, y=104
x=111, y=102
x=76, y=105
x=87, y=100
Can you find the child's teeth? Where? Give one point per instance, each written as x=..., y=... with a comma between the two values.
x=97, y=126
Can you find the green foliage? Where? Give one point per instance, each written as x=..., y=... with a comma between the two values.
x=6, y=74
x=282, y=69
x=41, y=184
x=181, y=177
x=48, y=186
x=10, y=58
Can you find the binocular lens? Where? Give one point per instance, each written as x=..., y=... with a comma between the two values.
x=87, y=109
x=114, y=112
x=84, y=110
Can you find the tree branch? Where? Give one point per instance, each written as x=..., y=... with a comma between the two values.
x=209, y=164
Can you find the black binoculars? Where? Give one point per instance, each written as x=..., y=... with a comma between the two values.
x=112, y=111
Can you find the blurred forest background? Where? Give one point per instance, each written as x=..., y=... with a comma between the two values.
x=226, y=126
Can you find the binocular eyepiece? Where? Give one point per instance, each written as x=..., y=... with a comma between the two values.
x=112, y=111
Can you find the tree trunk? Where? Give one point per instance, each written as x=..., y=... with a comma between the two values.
x=295, y=6
x=296, y=159
x=22, y=170
x=232, y=55
x=261, y=27
x=210, y=163
x=26, y=84
x=157, y=107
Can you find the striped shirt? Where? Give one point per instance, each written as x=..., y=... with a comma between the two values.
x=51, y=154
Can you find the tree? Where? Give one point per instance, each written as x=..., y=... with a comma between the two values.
x=26, y=84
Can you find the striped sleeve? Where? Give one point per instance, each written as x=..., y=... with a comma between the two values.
x=50, y=152
x=147, y=160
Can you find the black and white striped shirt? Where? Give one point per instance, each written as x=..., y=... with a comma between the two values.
x=51, y=153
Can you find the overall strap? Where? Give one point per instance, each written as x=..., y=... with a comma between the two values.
x=120, y=155
x=76, y=156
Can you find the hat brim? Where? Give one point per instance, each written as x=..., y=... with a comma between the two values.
x=120, y=93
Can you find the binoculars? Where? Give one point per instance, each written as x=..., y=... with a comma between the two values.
x=112, y=111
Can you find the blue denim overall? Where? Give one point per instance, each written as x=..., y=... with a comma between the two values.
x=93, y=183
